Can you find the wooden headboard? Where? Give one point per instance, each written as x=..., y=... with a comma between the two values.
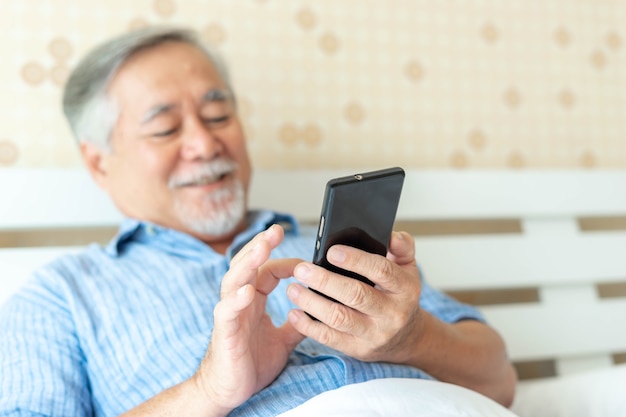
x=542, y=253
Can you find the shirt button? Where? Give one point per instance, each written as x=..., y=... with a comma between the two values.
x=151, y=230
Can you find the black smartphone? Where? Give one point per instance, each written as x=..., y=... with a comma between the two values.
x=359, y=211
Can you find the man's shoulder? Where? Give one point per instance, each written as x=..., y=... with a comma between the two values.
x=59, y=271
x=75, y=259
x=66, y=259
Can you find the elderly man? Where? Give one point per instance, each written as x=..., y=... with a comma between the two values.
x=197, y=306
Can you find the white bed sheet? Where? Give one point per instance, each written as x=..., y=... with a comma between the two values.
x=599, y=393
x=393, y=397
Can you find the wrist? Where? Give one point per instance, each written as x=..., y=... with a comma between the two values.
x=205, y=398
x=419, y=347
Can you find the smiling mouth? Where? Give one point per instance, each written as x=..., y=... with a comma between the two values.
x=206, y=180
x=214, y=173
x=202, y=181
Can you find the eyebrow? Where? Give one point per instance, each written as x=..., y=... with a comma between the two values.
x=155, y=111
x=216, y=94
x=211, y=96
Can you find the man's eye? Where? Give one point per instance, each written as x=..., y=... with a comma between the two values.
x=165, y=133
x=217, y=121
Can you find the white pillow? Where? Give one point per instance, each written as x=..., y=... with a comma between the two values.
x=395, y=397
x=588, y=394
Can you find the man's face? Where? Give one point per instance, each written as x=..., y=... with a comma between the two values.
x=178, y=155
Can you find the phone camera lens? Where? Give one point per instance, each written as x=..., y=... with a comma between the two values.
x=358, y=177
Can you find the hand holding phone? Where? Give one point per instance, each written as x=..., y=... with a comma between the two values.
x=359, y=211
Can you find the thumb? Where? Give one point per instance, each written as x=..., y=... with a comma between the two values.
x=402, y=249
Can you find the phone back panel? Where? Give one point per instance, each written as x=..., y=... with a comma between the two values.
x=359, y=211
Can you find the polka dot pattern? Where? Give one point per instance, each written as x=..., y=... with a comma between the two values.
x=164, y=8
x=309, y=135
x=490, y=33
x=421, y=85
x=515, y=160
x=289, y=134
x=598, y=59
x=354, y=113
x=614, y=40
x=8, y=152
x=512, y=98
x=567, y=99
x=59, y=74
x=588, y=159
x=414, y=71
x=306, y=19
x=477, y=140
x=459, y=159
x=329, y=43
x=312, y=135
x=60, y=49
x=215, y=34
x=562, y=37
x=33, y=73
x=137, y=23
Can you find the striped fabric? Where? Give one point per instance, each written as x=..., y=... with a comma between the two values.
x=99, y=332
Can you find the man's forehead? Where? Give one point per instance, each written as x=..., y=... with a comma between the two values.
x=165, y=50
x=167, y=64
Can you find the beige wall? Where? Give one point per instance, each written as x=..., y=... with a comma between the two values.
x=357, y=83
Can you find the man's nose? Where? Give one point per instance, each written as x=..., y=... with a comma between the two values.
x=200, y=142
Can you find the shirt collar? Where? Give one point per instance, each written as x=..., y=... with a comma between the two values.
x=133, y=230
x=259, y=221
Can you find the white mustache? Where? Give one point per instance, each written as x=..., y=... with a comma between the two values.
x=203, y=174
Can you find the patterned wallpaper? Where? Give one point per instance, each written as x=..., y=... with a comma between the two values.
x=357, y=83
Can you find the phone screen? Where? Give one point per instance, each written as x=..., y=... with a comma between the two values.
x=359, y=211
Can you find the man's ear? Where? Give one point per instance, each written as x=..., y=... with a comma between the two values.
x=95, y=159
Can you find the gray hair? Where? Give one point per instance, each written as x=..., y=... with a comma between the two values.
x=89, y=111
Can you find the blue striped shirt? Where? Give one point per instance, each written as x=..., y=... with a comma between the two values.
x=101, y=331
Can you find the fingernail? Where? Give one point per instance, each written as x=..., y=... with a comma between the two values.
x=293, y=316
x=273, y=228
x=292, y=292
x=302, y=272
x=241, y=291
x=336, y=255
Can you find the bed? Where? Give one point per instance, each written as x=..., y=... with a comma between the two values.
x=541, y=253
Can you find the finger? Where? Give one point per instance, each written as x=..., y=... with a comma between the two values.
x=378, y=269
x=244, y=266
x=273, y=271
x=272, y=235
x=318, y=331
x=335, y=314
x=244, y=270
x=346, y=290
x=229, y=308
x=402, y=249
